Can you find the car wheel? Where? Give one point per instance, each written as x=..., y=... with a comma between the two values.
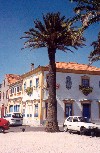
x=65, y=128
x=1, y=129
x=70, y=131
x=93, y=134
x=82, y=131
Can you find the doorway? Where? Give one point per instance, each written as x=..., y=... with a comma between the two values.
x=68, y=110
x=87, y=110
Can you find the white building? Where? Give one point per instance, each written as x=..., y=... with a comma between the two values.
x=78, y=92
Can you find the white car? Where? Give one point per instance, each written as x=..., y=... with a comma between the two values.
x=14, y=118
x=80, y=124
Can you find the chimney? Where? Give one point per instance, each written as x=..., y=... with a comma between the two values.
x=32, y=66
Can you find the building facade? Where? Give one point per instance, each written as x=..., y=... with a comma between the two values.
x=4, y=96
x=77, y=93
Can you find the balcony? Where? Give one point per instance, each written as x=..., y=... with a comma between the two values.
x=29, y=91
x=85, y=90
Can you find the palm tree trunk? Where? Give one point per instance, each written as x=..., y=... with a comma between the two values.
x=52, y=124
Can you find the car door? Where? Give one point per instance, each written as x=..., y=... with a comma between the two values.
x=69, y=123
x=75, y=124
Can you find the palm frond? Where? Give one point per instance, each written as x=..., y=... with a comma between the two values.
x=95, y=54
x=55, y=32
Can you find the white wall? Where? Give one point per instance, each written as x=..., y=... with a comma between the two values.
x=75, y=94
x=36, y=92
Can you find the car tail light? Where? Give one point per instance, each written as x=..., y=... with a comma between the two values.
x=7, y=123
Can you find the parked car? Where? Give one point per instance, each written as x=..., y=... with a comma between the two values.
x=4, y=125
x=81, y=125
x=14, y=118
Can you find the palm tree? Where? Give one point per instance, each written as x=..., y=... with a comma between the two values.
x=89, y=13
x=54, y=33
x=95, y=54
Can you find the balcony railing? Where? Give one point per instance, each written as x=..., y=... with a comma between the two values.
x=85, y=90
x=29, y=91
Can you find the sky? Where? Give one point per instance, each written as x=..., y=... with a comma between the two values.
x=16, y=17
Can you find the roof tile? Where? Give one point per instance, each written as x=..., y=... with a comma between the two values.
x=76, y=66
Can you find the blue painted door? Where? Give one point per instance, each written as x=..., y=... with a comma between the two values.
x=86, y=110
x=68, y=110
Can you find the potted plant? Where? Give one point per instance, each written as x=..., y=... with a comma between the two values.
x=29, y=91
x=85, y=90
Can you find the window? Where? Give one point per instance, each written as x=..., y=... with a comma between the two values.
x=99, y=84
x=11, y=108
x=23, y=112
x=37, y=82
x=75, y=119
x=16, y=108
x=17, y=115
x=8, y=115
x=68, y=109
x=29, y=111
x=12, y=90
x=70, y=119
x=85, y=82
x=30, y=83
x=27, y=115
x=7, y=94
x=36, y=110
x=24, y=85
x=68, y=82
x=17, y=89
x=20, y=88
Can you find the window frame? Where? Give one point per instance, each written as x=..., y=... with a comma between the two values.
x=18, y=89
x=31, y=83
x=37, y=82
x=84, y=78
x=24, y=85
x=36, y=114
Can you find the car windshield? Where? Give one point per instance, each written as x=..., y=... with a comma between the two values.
x=84, y=119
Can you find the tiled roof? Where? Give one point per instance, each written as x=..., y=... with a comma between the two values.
x=76, y=66
x=67, y=67
x=12, y=78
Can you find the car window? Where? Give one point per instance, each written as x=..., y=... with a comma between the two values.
x=8, y=115
x=17, y=115
x=69, y=119
x=84, y=119
x=75, y=119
